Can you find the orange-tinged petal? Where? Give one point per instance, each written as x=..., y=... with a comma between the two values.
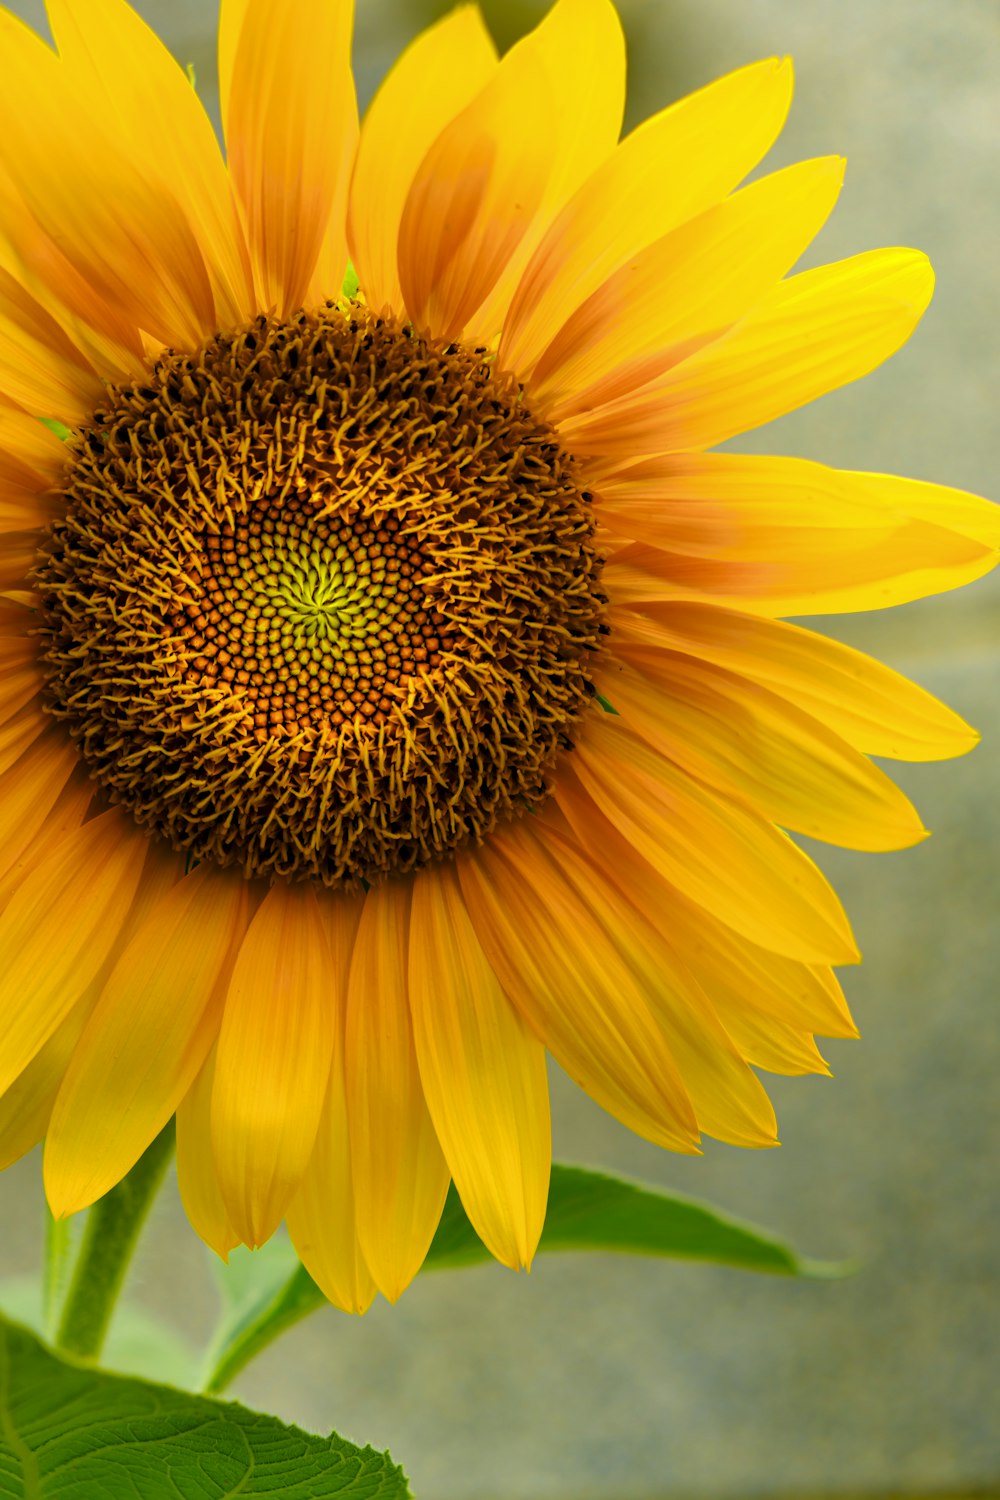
x=872, y=707
x=483, y=1073
x=581, y=46
x=110, y=53
x=939, y=505
x=400, y=1175
x=770, y=1044
x=728, y=1101
x=122, y=229
x=20, y=731
x=27, y=1105
x=31, y=788
x=321, y=1216
x=733, y=972
x=291, y=128
x=474, y=197
x=685, y=289
x=58, y=928
x=31, y=456
x=273, y=1061
x=671, y=168
x=232, y=14
x=814, y=332
x=18, y=555
x=197, y=1179
x=146, y=1041
x=27, y=848
x=911, y=562
x=112, y=344
x=744, y=508
x=715, y=850
x=433, y=81
x=530, y=895
x=20, y=677
x=40, y=366
x=755, y=745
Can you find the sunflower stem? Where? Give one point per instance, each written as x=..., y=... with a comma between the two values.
x=109, y=1239
x=59, y=1241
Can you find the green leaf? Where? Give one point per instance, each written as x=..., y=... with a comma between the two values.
x=351, y=282
x=71, y=1433
x=587, y=1211
x=60, y=429
x=139, y=1343
x=607, y=705
x=595, y=1211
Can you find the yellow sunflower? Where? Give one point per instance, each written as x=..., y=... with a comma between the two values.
x=395, y=687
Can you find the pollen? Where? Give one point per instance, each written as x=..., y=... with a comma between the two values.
x=324, y=602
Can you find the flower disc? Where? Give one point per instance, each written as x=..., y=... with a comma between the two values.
x=323, y=602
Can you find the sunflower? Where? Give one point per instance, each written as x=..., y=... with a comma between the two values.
x=396, y=682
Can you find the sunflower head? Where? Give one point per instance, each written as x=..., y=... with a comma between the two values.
x=339, y=579
x=398, y=685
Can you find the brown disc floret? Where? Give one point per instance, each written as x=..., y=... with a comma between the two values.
x=324, y=600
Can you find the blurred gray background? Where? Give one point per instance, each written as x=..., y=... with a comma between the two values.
x=610, y=1379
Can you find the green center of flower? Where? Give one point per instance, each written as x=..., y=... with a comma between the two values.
x=324, y=600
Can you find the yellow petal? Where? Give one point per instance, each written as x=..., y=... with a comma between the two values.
x=273, y=1061
x=747, y=873
x=291, y=127
x=321, y=1216
x=909, y=563
x=872, y=707
x=743, y=508
x=531, y=894
x=111, y=343
x=197, y=1179
x=27, y=848
x=27, y=1105
x=474, y=197
x=123, y=231
x=483, y=1073
x=18, y=555
x=147, y=1038
x=232, y=15
x=58, y=928
x=433, y=81
x=673, y=167
x=728, y=1101
x=581, y=46
x=770, y=1044
x=937, y=504
x=40, y=366
x=685, y=289
x=20, y=677
x=814, y=332
x=754, y=745
x=31, y=456
x=401, y=1177
x=20, y=731
x=766, y=1004
x=734, y=972
x=30, y=790
x=115, y=58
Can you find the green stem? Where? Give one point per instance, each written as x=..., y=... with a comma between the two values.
x=110, y=1237
x=59, y=1239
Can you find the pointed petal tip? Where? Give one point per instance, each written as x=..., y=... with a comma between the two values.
x=64, y=1197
